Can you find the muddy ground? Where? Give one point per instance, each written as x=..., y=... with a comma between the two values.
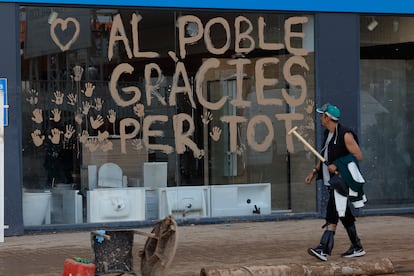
x=224, y=245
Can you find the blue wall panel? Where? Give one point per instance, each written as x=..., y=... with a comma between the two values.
x=365, y=6
x=337, y=63
x=10, y=69
x=337, y=73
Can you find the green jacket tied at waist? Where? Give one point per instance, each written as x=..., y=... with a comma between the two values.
x=348, y=167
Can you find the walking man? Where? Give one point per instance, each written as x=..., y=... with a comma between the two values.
x=339, y=143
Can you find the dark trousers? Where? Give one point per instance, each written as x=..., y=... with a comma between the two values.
x=332, y=215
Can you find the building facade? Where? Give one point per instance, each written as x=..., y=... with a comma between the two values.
x=122, y=114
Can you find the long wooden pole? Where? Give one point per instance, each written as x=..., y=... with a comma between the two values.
x=314, y=151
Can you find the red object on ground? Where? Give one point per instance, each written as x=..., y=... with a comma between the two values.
x=74, y=268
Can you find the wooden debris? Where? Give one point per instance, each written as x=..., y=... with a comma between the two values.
x=159, y=249
x=373, y=267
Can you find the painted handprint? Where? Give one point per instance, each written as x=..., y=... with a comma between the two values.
x=96, y=123
x=139, y=110
x=107, y=146
x=33, y=97
x=215, y=133
x=58, y=97
x=207, y=117
x=37, y=137
x=86, y=106
x=89, y=88
x=77, y=71
x=72, y=99
x=69, y=132
x=98, y=104
x=111, y=116
x=37, y=115
x=102, y=136
x=92, y=144
x=55, y=115
x=309, y=106
x=78, y=118
x=55, y=136
x=83, y=138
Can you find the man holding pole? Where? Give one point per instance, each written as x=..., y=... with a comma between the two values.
x=339, y=142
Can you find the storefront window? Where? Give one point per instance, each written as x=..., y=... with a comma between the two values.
x=138, y=101
x=387, y=102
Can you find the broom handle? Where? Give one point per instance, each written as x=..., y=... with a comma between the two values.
x=315, y=152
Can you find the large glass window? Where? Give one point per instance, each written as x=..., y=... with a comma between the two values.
x=122, y=104
x=387, y=103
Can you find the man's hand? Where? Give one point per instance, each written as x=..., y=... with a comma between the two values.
x=309, y=177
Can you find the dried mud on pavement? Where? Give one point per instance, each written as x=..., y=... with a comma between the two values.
x=223, y=245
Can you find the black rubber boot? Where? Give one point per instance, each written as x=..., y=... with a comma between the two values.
x=325, y=246
x=353, y=236
x=356, y=249
x=327, y=241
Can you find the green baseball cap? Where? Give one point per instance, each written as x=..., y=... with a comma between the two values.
x=330, y=110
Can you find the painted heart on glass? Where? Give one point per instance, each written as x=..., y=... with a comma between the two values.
x=64, y=25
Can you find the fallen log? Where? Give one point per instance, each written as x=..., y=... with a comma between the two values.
x=372, y=267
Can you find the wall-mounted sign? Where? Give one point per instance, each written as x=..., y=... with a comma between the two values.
x=3, y=89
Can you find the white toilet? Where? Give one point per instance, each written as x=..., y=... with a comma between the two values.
x=110, y=176
x=36, y=208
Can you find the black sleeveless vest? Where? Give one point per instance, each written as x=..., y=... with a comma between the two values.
x=336, y=147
